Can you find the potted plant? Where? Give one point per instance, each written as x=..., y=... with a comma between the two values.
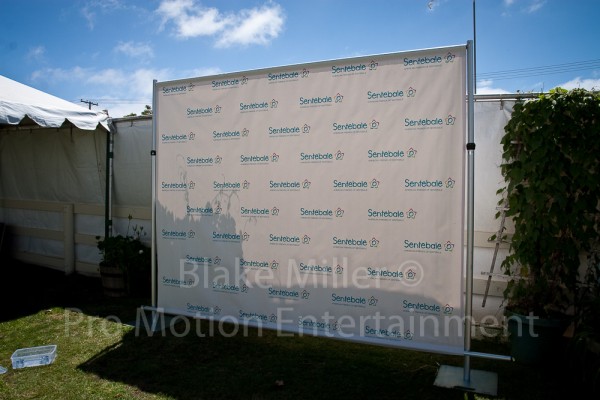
x=552, y=172
x=125, y=265
x=584, y=349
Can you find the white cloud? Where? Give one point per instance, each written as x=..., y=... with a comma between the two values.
x=135, y=50
x=190, y=20
x=530, y=8
x=120, y=91
x=255, y=26
x=535, y=6
x=59, y=75
x=251, y=26
x=203, y=72
x=485, y=86
x=205, y=23
x=36, y=53
x=89, y=9
x=577, y=82
x=89, y=16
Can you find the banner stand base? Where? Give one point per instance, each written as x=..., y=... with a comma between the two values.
x=482, y=382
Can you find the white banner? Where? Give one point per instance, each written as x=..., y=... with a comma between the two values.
x=324, y=198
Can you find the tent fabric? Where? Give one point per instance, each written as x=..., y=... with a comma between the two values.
x=19, y=102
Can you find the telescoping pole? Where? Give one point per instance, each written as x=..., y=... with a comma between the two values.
x=470, y=209
x=153, y=154
x=450, y=376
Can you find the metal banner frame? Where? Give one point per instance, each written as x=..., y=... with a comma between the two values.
x=463, y=378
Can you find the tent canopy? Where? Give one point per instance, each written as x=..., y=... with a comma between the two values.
x=21, y=105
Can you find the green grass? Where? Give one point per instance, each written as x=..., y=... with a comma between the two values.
x=100, y=358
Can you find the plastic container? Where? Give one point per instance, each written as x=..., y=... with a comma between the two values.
x=33, y=356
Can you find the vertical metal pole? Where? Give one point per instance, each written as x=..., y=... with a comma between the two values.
x=108, y=183
x=474, y=51
x=470, y=209
x=153, y=155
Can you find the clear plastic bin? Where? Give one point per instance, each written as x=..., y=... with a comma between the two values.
x=33, y=356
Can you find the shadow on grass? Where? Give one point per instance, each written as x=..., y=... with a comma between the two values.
x=190, y=363
x=261, y=365
x=265, y=365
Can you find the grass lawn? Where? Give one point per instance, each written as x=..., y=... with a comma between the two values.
x=99, y=357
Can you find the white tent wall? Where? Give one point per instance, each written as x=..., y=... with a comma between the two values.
x=132, y=162
x=59, y=165
x=53, y=185
x=46, y=176
x=132, y=174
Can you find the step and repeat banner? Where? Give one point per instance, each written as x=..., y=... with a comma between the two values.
x=325, y=198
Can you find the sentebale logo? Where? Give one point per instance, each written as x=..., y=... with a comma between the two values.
x=422, y=307
x=348, y=69
x=316, y=213
x=201, y=161
x=285, y=240
x=385, y=95
x=422, y=61
x=283, y=76
x=315, y=100
x=353, y=242
x=174, y=137
x=174, y=90
x=226, y=185
x=253, y=106
x=225, y=83
x=201, y=111
x=424, y=246
x=226, y=134
x=203, y=309
x=256, y=212
x=424, y=122
x=197, y=210
x=386, y=155
x=255, y=159
x=421, y=185
x=277, y=131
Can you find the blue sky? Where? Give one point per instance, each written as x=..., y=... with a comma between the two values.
x=109, y=51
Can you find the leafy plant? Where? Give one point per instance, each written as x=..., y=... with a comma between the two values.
x=129, y=254
x=551, y=170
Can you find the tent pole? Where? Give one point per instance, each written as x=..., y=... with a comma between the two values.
x=109, y=176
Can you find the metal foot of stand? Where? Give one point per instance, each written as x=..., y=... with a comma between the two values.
x=481, y=382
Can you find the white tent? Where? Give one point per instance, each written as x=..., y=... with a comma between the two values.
x=52, y=177
x=24, y=105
